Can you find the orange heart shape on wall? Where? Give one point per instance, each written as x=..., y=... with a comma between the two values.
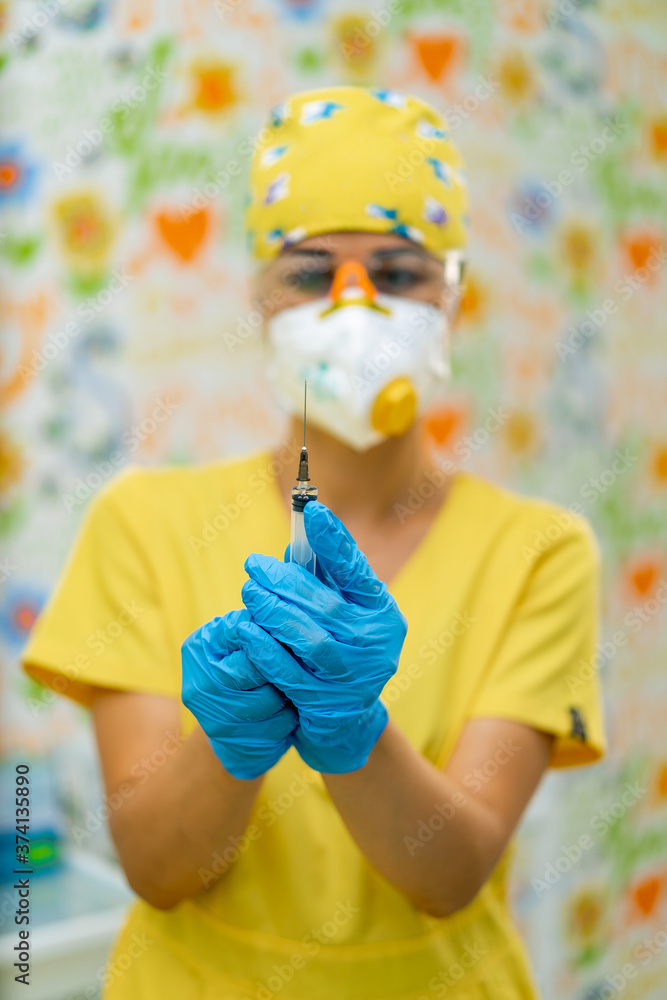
x=214, y=87
x=662, y=782
x=184, y=235
x=443, y=422
x=644, y=577
x=438, y=54
x=660, y=463
x=658, y=131
x=640, y=247
x=646, y=894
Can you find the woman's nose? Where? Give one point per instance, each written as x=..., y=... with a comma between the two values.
x=352, y=284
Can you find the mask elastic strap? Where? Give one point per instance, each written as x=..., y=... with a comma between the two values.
x=454, y=265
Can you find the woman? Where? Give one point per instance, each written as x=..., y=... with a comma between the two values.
x=327, y=811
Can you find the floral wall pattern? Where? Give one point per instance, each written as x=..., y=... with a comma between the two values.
x=129, y=337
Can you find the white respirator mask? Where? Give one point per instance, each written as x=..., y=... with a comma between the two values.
x=373, y=362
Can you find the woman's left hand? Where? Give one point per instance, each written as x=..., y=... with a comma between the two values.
x=345, y=635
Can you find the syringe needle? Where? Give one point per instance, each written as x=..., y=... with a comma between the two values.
x=304, y=492
x=303, y=475
x=305, y=391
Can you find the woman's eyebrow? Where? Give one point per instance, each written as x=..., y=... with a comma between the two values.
x=382, y=252
x=307, y=252
x=393, y=251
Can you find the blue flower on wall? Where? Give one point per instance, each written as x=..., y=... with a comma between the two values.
x=17, y=175
x=532, y=209
x=85, y=17
x=20, y=603
x=301, y=10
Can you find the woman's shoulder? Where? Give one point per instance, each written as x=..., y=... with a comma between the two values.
x=159, y=486
x=539, y=522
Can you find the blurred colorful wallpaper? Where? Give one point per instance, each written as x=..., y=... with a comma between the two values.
x=129, y=336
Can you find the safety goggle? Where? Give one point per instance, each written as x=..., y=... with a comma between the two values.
x=391, y=271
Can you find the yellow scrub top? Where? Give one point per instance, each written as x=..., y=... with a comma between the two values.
x=501, y=598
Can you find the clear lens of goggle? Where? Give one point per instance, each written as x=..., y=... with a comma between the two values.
x=395, y=273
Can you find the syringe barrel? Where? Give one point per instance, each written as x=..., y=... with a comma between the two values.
x=300, y=550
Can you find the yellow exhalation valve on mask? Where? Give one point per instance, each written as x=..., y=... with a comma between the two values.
x=395, y=408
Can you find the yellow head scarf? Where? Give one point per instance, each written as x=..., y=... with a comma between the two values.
x=355, y=158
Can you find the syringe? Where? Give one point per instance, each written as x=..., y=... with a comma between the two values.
x=302, y=493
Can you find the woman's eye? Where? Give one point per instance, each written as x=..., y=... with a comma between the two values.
x=309, y=281
x=397, y=278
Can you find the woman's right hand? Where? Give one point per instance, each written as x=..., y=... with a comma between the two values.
x=248, y=721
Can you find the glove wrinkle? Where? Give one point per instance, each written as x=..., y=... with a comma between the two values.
x=329, y=641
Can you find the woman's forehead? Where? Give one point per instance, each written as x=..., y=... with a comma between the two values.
x=344, y=242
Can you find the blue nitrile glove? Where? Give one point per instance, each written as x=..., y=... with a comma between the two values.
x=247, y=720
x=345, y=635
